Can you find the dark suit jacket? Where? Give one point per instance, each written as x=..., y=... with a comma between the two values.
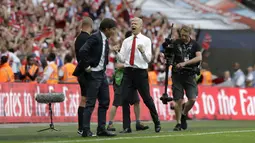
x=90, y=53
x=79, y=42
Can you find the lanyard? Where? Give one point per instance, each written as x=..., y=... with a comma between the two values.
x=186, y=51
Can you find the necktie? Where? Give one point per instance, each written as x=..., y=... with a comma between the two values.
x=132, y=56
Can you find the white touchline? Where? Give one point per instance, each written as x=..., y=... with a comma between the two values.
x=145, y=137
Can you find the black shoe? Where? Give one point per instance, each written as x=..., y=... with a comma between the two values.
x=80, y=132
x=141, y=126
x=105, y=133
x=87, y=133
x=184, y=124
x=157, y=128
x=177, y=127
x=127, y=130
x=110, y=128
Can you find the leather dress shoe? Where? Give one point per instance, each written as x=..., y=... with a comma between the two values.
x=157, y=128
x=87, y=133
x=105, y=133
x=127, y=130
x=141, y=126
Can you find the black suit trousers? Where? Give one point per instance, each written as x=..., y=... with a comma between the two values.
x=96, y=88
x=136, y=79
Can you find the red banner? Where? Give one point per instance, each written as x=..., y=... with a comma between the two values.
x=17, y=104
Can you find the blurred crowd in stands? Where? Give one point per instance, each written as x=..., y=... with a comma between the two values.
x=32, y=31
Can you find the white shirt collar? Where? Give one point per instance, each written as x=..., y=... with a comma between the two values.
x=137, y=35
x=103, y=36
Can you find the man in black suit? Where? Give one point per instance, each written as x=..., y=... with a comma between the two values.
x=94, y=58
x=136, y=53
x=86, y=29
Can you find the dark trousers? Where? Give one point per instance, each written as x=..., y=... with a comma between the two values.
x=136, y=79
x=82, y=83
x=97, y=88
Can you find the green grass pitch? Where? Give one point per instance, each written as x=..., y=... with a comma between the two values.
x=198, y=132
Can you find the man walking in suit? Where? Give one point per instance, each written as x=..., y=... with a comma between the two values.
x=135, y=53
x=94, y=58
x=87, y=24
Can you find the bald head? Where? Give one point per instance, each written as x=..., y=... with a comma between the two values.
x=136, y=25
x=226, y=75
x=87, y=24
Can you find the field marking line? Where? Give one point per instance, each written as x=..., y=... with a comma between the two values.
x=145, y=137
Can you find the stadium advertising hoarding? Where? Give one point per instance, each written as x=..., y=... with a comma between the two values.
x=18, y=105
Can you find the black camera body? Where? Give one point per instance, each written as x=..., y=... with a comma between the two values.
x=169, y=52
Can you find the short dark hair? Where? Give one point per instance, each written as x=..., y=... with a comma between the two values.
x=51, y=57
x=128, y=34
x=107, y=23
x=4, y=59
x=68, y=58
x=30, y=56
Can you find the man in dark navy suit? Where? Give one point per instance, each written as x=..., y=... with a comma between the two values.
x=94, y=58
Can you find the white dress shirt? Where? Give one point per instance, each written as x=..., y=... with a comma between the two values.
x=240, y=81
x=47, y=73
x=140, y=60
x=239, y=78
x=249, y=76
x=101, y=62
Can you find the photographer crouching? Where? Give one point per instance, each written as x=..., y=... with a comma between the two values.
x=184, y=54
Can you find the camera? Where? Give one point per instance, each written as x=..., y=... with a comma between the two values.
x=168, y=47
